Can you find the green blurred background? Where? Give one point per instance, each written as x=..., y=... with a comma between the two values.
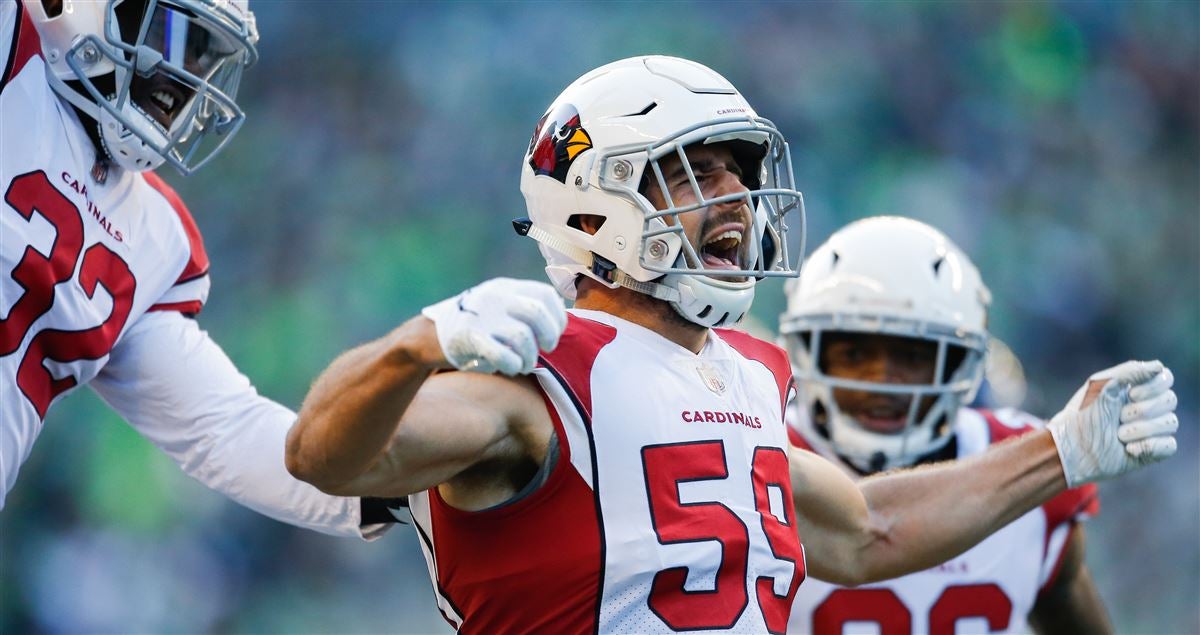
x=1058, y=144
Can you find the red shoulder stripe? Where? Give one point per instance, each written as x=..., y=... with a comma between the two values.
x=25, y=46
x=576, y=353
x=766, y=353
x=197, y=258
x=192, y=307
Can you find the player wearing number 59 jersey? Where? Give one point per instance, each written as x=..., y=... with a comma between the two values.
x=625, y=533
x=102, y=268
x=635, y=477
x=886, y=328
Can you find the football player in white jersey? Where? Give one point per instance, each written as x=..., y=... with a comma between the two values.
x=625, y=466
x=102, y=269
x=886, y=328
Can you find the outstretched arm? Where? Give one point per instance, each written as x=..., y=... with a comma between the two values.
x=910, y=520
x=379, y=420
x=178, y=389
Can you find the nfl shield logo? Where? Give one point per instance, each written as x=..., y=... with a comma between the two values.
x=711, y=378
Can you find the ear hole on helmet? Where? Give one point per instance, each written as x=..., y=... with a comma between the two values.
x=588, y=223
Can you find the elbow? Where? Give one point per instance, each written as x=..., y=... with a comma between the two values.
x=865, y=560
x=851, y=574
x=304, y=464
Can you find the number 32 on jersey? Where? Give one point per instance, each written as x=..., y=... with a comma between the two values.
x=40, y=276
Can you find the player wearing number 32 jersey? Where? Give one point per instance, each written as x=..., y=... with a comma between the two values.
x=624, y=467
x=102, y=268
x=876, y=308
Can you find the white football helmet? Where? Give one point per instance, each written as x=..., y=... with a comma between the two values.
x=889, y=276
x=160, y=75
x=598, y=148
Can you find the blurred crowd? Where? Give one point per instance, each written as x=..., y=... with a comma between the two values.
x=1057, y=144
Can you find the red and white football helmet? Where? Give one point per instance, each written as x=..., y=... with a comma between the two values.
x=889, y=276
x=159, y=76
x=598, y=148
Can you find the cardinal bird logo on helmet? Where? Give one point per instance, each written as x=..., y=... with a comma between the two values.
x=557, y=140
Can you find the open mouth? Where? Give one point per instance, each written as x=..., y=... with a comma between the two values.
x=160, y=98
x=882, y=418
x=722, y=247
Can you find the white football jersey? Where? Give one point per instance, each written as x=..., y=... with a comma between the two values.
x=80, y=261
x=991, y=588
x=669, y=507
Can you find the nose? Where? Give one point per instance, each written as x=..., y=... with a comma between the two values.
x=880, y=368
x=728, y=182
x=724, y=184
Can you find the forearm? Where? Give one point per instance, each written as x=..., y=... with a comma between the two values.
x=181, y=392
x=922, y=517
x=352, y=411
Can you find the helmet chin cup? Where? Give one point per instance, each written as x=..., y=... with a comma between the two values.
x=127, y=149
x=711, y=303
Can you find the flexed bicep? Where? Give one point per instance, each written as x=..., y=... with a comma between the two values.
x=456, y=421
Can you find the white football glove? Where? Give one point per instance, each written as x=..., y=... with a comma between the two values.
x=499, y=325
x=1121, y=419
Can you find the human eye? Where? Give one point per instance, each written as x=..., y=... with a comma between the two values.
x=736, y=169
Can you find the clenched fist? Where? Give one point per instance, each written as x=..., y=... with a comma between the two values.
x=1121, y=419
x=499, y=325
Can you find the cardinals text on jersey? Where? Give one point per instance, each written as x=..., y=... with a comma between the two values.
x=669, y=507
x=989, y=589
x=80, y=260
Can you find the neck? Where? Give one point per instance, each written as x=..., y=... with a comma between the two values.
x=643, y=310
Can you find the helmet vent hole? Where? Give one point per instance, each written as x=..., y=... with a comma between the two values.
x=651, y=106
x=703, y=314
x=53, y=8
x=937, y=265
x=836, y=258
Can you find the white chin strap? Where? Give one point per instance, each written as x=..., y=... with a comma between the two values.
x=619, y=278
x=693, y=299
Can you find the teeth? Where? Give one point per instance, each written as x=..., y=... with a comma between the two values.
x=164, y=99
x=722, y=236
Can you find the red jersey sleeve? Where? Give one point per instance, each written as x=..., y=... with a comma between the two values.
x=190, y=290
